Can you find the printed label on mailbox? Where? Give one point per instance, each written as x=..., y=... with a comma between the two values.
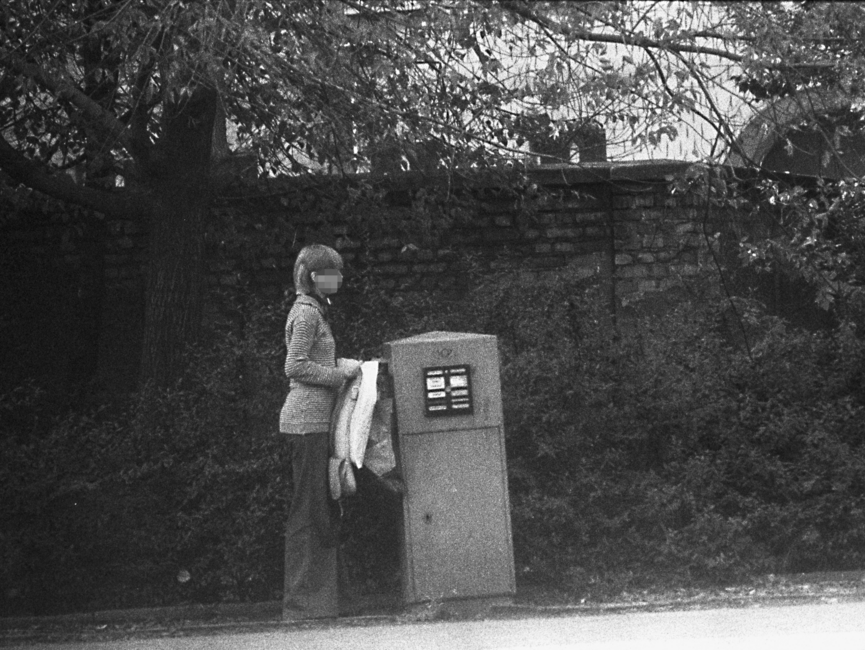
x=447, y=391
x=459, y=380
x=435, y=383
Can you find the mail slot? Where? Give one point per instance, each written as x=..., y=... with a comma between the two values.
x=450, y=439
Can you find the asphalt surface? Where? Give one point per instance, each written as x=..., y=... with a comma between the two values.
x=835, y=626
x=787, y=612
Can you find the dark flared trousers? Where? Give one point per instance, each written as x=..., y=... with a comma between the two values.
x=312, y=533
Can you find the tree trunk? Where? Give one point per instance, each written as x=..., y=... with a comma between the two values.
x=181, y=181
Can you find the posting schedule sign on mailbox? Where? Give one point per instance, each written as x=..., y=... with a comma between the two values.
x=448, y=391
x=450, y=437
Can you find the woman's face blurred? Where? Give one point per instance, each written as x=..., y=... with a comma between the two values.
x=327, y=281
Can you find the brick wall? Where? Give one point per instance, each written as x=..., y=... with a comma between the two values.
x=621, y=225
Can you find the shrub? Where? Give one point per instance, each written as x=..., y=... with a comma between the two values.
x=665, y=450
x=116, y=508
x=51, y=549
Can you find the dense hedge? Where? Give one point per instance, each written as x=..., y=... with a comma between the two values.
x=672, y=449
x=110, y=508
x=675, y=451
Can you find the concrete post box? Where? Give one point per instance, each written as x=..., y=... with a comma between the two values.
x=451, y=453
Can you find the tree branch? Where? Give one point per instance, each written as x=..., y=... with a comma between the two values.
x=63, y=187
x=637, y=40
x=619, y=39
x=112, y=128
x=672, y=95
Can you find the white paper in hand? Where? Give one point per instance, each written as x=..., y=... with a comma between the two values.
x=361, y=417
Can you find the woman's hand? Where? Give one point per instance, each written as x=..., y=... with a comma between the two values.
x=354, y=373
x=350, y=368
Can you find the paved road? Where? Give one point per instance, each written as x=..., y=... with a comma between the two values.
x=839, y=626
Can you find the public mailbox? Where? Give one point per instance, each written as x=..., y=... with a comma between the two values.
x=450, y=441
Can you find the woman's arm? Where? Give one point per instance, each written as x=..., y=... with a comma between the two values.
x=298, y=364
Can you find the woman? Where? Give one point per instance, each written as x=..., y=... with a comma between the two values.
x=314, y=378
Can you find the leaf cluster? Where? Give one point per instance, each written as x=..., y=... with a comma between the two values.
x=355, y=86
x=820, y=239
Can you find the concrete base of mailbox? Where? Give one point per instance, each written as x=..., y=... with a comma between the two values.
x=457, y=543
x=459, y=608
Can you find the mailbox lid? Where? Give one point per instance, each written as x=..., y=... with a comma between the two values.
x=412, y=359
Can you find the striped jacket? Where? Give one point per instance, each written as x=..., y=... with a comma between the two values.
x=310, y=365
